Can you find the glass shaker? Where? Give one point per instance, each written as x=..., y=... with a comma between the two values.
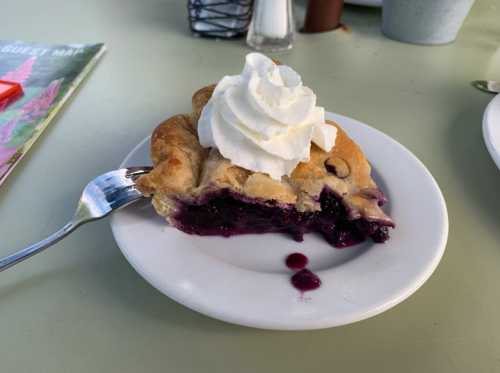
x=272, y=27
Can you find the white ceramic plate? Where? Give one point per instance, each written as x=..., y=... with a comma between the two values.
x=491, y=129
x=377, y=3
x=243, y=279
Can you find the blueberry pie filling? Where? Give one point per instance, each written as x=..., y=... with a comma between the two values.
x=226, y=213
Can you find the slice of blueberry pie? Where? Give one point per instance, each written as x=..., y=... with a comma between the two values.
x=256, y=156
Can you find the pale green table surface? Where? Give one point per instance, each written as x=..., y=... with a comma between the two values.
x=80, y=307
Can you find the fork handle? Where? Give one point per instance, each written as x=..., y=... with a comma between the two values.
x=23, y=254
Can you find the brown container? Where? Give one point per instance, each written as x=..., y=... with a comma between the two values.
x=323, y=15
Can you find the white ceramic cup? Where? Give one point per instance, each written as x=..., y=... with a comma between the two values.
x=424, y=21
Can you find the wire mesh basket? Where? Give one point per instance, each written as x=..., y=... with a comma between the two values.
x=219, y=18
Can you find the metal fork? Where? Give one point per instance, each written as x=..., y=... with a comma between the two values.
x=106, y=193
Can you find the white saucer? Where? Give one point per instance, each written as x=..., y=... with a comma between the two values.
x=243, y=279
x=374, y=3
x=491, y=129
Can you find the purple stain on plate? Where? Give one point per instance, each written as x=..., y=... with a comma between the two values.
x=303, y=279
x=296, y=261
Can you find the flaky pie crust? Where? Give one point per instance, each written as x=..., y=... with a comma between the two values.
x=184, y=170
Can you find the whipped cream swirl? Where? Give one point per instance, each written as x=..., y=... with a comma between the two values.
x=264, y=119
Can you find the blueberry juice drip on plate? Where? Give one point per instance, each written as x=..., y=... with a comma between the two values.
x=303, y=279
x=296, y=261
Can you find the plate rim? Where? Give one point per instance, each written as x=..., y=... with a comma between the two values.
x=403, y=292
x=487, y=124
